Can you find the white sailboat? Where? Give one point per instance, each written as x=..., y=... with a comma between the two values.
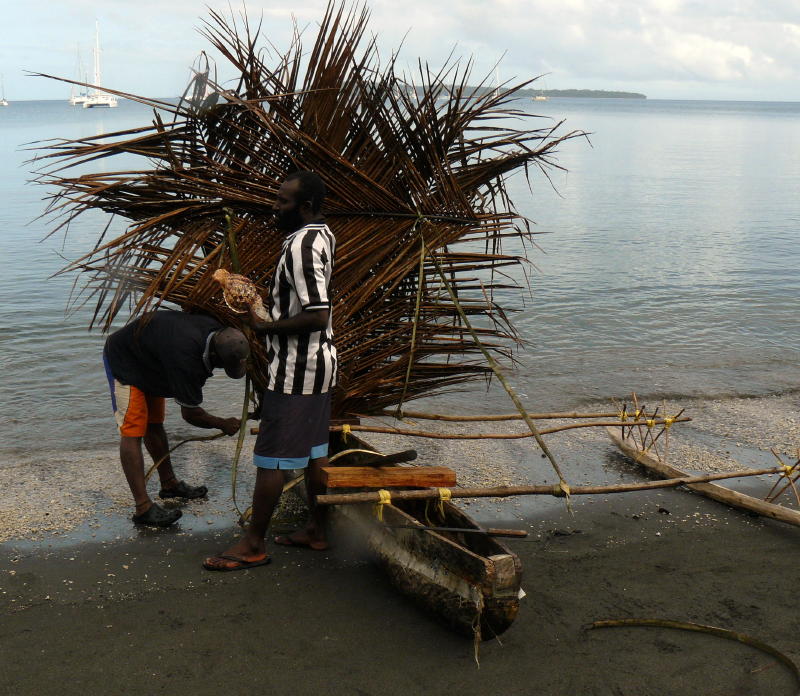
x=98, y=98
x=3, y=100
x=79, y=93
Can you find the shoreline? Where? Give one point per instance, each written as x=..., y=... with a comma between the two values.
x=83, y=496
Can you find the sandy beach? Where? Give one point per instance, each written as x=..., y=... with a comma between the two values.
x=111, y=609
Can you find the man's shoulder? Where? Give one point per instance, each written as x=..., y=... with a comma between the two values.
x=180, y=332
x=184, y=320
x=316, y=235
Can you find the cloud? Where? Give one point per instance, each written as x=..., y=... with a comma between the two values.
x=748, y=47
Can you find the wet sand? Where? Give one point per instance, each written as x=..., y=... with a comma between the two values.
x=91, y=605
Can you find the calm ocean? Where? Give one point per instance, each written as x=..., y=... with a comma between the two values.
x=669, y=267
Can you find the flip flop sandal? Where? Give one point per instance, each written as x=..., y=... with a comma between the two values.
x=234, y=563
x=157, y=516
x=183, y=490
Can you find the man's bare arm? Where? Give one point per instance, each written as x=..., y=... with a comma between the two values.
x=305, y=322
x=200, y=418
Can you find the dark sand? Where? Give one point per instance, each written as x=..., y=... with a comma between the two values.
x=134, y=613
x=142, y=617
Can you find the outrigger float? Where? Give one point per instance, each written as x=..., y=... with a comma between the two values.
x=642, y=446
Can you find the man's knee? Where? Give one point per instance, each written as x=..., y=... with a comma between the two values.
x=155, y=429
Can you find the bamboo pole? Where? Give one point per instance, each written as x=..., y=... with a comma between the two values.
x=498, y=417
x=490, y=436
x=554, y=490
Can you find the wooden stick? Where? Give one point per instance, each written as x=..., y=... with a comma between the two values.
x=489, y=436
x=554, y=490
x=719, y=493
x=499, y=417
x=489, y=531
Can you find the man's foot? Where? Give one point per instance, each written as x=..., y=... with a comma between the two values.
x=183, y=490
x=156, y=516
x=226, y=562
x=301, y=538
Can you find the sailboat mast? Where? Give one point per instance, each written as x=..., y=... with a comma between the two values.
x=96, y=55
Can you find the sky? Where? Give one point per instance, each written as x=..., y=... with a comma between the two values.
x=665, y=49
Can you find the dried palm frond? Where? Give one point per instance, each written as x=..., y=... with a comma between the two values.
x=404, y=164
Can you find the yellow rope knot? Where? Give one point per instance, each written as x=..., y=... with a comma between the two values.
x=787, y=470
x=561, y=489
x=623, y=416
x=445, y=494
x=386, y=499
x=650, y=422
x=668, y=422
x=345, y=431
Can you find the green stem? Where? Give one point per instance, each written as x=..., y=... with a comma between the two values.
x=496, y=369
x=239, y=443
x=232, y=241
x=420, y=275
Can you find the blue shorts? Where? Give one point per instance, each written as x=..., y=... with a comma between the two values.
x=294, y=429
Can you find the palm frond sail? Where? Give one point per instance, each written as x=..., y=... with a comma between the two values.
x=405, y=165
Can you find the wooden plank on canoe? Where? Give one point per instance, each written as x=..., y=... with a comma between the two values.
x=388, y=476
x=710, y=490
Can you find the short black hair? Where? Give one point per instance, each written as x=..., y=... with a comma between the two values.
x=312, y=188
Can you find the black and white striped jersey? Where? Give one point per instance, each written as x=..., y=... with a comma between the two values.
x=306, y=363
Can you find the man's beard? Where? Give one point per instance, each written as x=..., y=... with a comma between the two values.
x=289, y=221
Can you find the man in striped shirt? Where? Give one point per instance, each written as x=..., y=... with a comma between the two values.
x=301, y=371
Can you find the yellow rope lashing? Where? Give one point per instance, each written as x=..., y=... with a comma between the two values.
x=650, y=422
x=386, y=499
x=345, y=431
x=561, y=490
x=668, y=422
x=445, y=494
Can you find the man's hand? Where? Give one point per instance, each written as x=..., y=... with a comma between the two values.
x=201, y=418
x=230, y=426
x=259, y=320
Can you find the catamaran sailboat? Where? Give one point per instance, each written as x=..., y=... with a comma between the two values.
x=96, y=97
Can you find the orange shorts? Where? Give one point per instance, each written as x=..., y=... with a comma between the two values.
x=133, y=409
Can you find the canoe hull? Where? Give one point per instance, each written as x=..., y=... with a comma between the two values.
x=471, y=582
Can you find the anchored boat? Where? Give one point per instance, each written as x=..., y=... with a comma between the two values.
x=96, y=97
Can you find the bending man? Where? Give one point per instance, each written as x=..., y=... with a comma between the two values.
x=166, y=354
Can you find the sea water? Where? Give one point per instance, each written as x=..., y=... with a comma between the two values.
x=667, y=265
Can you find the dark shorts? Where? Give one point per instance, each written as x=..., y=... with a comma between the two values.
x=294, y=429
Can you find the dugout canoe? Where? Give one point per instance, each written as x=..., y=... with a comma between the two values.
x=711, y=490
x=469, y=581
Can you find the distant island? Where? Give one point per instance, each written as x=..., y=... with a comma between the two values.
x=546, y=93
x=582, y=93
